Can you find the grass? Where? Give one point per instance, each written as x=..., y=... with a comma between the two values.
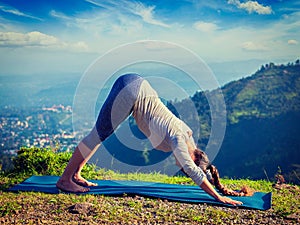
x=32, y=208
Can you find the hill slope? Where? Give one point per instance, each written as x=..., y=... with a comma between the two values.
x=263, y=123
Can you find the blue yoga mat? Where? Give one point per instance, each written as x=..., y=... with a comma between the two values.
x=172, y=192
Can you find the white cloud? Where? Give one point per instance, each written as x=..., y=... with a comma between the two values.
x=102, y=26
x=112, y=23
x=292, y=42
x=205, y=27
x=146, y=13
x=14, y=39
x=17, y=12
x=252, y=46
x=38, y=39
x=59, y=15
x=96, y=3
x=251, y=6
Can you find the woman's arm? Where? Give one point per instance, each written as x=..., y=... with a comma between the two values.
x=208, y=188
x=184, y=160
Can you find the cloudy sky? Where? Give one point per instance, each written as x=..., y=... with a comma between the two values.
x=66, y=36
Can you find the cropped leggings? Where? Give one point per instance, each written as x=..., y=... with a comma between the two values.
x=116, y=108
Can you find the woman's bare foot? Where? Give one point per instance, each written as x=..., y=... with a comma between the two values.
x=78, y=179
x=70, y=186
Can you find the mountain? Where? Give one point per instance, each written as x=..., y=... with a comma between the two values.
x=263, y=124
x=28, y=91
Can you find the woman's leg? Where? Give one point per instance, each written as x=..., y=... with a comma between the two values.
x=71, y=179
x=116, y=108
x=77, y=178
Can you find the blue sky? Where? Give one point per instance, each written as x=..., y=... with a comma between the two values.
x=66, y=36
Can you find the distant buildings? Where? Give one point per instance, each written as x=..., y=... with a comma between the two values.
x=58, y=108
x=46, y=127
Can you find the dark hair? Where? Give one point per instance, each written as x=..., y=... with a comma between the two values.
x=201, y=159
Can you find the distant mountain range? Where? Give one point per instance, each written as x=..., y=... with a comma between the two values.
x=33, y=91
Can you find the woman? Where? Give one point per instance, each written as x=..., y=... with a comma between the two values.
x=133, y=94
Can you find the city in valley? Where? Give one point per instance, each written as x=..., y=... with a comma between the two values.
x=44, y=127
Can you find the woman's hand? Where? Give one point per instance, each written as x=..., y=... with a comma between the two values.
x=208, y=188
x=227, y=200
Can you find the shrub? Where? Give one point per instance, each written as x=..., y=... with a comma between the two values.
x=40, y=161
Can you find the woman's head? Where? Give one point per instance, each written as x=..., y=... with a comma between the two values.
x=201, y=159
